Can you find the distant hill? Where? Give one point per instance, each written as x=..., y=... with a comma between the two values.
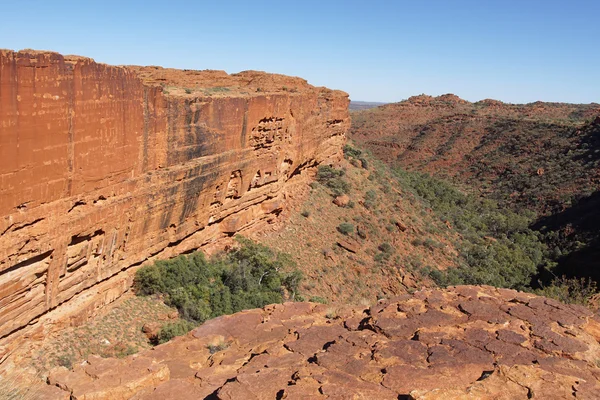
x=541, y=157
x=364, y=105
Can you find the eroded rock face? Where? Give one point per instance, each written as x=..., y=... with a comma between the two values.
x=103, y=168
x=462, y=342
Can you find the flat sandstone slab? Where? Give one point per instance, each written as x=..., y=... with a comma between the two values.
x=461, y=342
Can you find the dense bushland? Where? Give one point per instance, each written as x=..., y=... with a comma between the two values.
x=249, y=276
x=498, y=247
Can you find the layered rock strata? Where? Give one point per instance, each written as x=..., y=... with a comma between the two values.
x=461, y=343
x=103, y=168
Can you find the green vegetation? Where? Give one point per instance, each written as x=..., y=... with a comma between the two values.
x=370, y=200
x=317, y=299
x=498, y=248
x=496, y=243
x=354, y=153
x=173, y=329
x=215, y=348
x=570, y=290
x=247, y=277
x=333, y=179
x=345, y=228
x=386, y=248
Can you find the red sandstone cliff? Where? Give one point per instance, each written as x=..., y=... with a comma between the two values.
x=103, y=168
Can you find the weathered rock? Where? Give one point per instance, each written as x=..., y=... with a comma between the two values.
x=341, y=201
x=104, y=168
x=423, y=346
x=351, y=245
x=151, y=330
x=401, y=226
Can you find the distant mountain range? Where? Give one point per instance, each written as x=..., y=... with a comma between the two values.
x=363, y=105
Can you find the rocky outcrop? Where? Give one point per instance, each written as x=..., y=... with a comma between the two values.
x=103, y=168
x=462, y=342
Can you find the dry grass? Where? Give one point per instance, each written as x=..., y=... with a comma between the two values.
x=310, y=235
x=115, y=333
x=20, y=385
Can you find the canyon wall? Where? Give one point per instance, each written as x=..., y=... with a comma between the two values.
x=103, y=168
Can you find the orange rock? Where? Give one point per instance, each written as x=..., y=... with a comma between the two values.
x=104, y=168
x=401, y=226
x=341, y=201
x=349, y=244
x=457, y=343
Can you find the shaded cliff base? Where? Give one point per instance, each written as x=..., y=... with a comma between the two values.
x=461, y=342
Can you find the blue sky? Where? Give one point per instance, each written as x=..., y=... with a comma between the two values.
x=514, y=51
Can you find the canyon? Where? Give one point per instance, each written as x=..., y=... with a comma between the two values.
x=542, y=158
x=105, y=168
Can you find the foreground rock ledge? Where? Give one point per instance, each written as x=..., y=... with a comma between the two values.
x=104, y=168
x=462, y=342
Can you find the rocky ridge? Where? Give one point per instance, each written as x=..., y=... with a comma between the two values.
x=461, y=342
x=106, y=168
x=535, y=155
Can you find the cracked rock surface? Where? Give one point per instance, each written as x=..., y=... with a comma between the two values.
x=460, y=342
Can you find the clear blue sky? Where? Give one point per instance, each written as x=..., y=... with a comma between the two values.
x=511, y=50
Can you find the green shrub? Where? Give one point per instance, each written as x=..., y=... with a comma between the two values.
x=350, y=151
x=333, y=179
x=317, y=299
x=215, y=348
x=432, y=244
x=364, y=162
x=498, y=247
x=370, y=199
x=570, y=290
x=345, y=228
x=386, y=248
x=249, y=276
x=170, y=330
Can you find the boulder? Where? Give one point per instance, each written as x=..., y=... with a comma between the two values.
x=341, y=201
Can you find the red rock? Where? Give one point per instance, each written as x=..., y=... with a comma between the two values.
x=103, y=168
x=401, y=226
x=417, y=345
x=348, y=244
x=151, y=329
x=341, y=201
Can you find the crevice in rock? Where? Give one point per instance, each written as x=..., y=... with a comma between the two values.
x=252, y=356
x=28, y=262
x=26, y=225
x=485, y=375
x=328, y=345
x=78, y=203
x=76, y=239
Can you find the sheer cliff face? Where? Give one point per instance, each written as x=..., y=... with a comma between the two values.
x=103, y=168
